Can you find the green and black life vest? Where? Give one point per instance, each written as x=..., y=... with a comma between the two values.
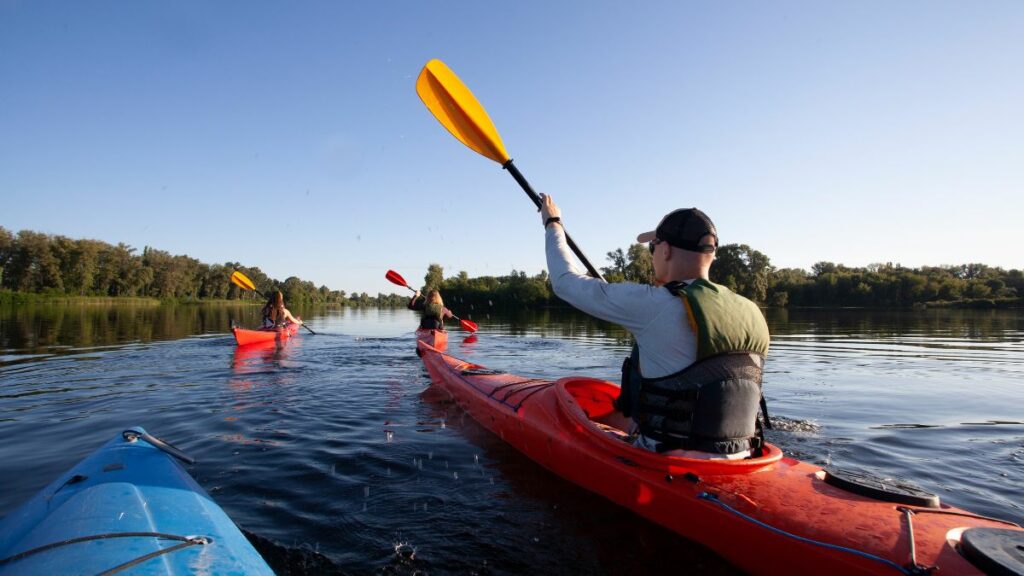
x=711, y=405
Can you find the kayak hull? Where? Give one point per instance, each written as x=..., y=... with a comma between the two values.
x=436, y=338
x=766, y=515
x=127, y=486
x=264, y=335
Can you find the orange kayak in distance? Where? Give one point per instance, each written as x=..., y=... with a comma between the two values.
x=768, y=514
x=263, y=335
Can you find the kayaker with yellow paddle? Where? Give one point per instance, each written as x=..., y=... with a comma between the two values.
x=275, y=315
x=700, y=347
x=692, y=384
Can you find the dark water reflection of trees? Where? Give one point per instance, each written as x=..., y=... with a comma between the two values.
x=49, y=328
x=41, y=328
x=811, y=322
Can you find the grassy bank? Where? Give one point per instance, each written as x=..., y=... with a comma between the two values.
x=975, y=303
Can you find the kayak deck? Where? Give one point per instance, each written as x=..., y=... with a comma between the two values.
x=768, y=514
x=128, y=504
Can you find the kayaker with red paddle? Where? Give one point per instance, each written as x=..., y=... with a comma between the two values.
x=433, y=310
x=275, y=315
x=693, y=382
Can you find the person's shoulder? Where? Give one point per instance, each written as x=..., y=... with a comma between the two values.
x=635, y=290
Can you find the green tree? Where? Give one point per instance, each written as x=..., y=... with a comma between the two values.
x=743, y=270
x=33, y=267
x=640, y=266
x=617, y=271
x=434, y=280
x=6, y=249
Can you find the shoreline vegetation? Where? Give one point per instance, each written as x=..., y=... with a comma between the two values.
x=43, y=268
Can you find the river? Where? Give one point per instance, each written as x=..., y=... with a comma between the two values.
x=327, y=453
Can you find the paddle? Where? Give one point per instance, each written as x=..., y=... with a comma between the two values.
x=396, y=278
x=243, y=282
x=455, y=107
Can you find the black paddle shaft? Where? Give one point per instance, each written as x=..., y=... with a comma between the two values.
x=536, y=200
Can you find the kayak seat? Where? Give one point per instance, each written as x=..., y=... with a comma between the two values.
x=597, y=400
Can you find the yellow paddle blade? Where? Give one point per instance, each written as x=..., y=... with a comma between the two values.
x=242, y=281
x=458, y=110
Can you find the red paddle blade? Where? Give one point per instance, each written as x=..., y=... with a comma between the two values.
x=469, y=325
x=396, y=278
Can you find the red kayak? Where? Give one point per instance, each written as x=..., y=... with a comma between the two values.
x=766, y=515
x=436, y=338
x=245, y=337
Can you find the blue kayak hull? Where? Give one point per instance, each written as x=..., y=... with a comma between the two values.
x=127, y=502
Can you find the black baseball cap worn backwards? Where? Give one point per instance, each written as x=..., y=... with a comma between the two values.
x=684, y=228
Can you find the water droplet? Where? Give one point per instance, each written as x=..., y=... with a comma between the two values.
x=443, y=425
x=476, y=458
x=388, y=436
x=455, y=475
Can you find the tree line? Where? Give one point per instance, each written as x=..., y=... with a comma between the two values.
x=750, y=273
x=37, y=263
x=33, y=262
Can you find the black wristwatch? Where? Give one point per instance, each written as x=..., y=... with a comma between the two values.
x=552, y=219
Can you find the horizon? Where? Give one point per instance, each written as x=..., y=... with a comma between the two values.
x=294, y=141
x=454, y=273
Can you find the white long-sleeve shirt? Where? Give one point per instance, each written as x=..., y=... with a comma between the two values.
x=655, y=317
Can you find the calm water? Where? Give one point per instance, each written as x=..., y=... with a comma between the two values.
x=328, y=454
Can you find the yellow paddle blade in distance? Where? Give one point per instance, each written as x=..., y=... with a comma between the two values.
x=242, y=281
x=458, y=110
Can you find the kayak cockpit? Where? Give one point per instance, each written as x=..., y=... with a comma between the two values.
x=591, y=403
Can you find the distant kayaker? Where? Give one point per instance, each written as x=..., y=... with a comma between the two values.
x=433, y=309
x=693, y=382
x=275, y=315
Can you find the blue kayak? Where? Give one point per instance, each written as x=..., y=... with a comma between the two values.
x=128, y=508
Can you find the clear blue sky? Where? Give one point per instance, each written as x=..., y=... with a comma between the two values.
x=289, y=135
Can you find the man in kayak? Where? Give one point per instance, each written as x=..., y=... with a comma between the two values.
x=275, y=315
x=433, y=309
x=693, y=382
